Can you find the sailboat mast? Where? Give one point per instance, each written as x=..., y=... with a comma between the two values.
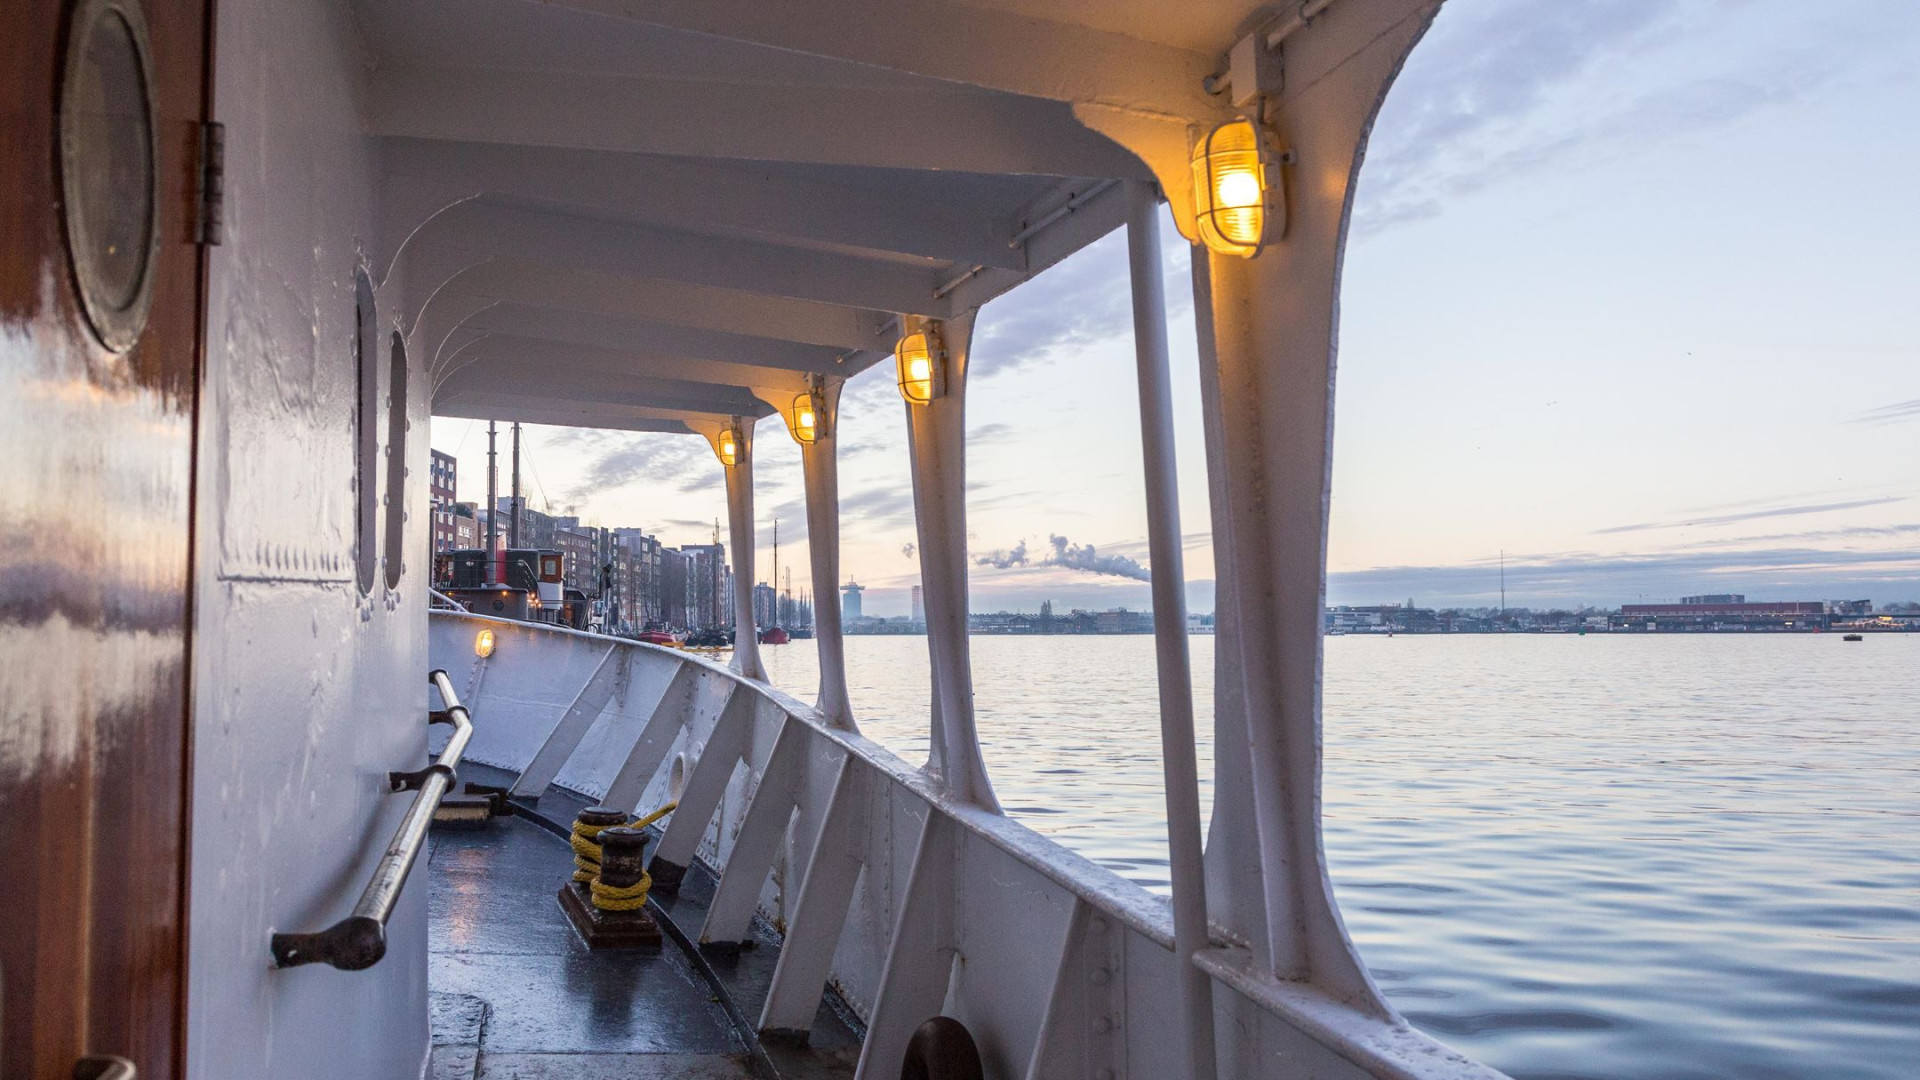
x=493, y=501
x=513, y=523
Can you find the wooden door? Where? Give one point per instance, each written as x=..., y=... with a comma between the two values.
x=100, y=328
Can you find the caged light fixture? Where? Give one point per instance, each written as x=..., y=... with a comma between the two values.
x=921, y=358
x=1238, y=195
x=807, y=420
x=483, y=643
x=727, y=445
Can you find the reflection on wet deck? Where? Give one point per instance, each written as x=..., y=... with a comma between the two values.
x=516, y=996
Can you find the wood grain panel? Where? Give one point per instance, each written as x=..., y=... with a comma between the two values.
x=95, y=513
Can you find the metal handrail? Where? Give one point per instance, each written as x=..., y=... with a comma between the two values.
x=360, y=940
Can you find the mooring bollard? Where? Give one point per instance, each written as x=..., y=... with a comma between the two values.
x=606, y=901
x=623, y=870
x=586, y=839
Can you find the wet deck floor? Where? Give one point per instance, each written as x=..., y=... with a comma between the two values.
x=517, y=996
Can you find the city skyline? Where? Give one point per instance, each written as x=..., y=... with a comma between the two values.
x=1583, y=328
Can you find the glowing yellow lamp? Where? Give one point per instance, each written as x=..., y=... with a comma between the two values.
x=729, y=447
x=808, y=418
x=922, y=375
x=483, y=643
x=1234, y=185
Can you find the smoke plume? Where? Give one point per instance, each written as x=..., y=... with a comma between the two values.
x=1085, y=557
x=1065, y=554
x=1002, y=559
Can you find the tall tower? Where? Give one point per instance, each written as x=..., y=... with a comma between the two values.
x=919, y=606
x=850, y=603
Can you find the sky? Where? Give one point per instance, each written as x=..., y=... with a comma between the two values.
x=1630, y=304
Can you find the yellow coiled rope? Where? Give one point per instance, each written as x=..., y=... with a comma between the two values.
x=586, y=864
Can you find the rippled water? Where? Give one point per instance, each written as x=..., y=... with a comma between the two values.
x=1602, y=856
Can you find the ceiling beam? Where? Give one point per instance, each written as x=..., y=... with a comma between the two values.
x=601, y=389
x=946, y=216
x=965, y=43
x=930, y=126
x=520, y=323
x=564, y=412
x=649, y=300
x=514, y=357
x=471, y=233
x=526, y=413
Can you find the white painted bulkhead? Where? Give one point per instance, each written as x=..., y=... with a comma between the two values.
x=306, y=690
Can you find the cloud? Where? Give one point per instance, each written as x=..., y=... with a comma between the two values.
x=1898, y=412
x=617, y=459
x=1754, y=515
x=687, y=523
x=878, y=507
x=1481, y=103
x=1084, y=299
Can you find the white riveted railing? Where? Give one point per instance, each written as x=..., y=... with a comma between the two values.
x=907, y=898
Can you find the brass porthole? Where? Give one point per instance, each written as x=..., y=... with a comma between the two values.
x=109, y=176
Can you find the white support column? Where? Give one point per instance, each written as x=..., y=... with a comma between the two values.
x=746, y=636
x=822, y=473
x=1178, y=755
x=936, y=437
x=1274, y=335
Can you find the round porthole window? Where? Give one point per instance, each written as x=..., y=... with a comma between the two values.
x=108, y=149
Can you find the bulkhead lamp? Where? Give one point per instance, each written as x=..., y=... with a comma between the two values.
x=808, y=418
x=728, y=445
x=922, y=364
x=1237, y=191
x=483, y=643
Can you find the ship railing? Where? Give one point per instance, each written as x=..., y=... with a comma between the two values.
x=910, y=902
x=360, y=940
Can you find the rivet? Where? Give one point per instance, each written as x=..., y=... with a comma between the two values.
x=1101, y=976
x=1097, y=924
x=1103, y=1024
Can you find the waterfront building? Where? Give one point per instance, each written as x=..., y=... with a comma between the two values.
x=443, y=491
x=466, y=527
x=576, y=547
x=850, y=601
x=676, y=588
x=707, y=575
x=1722, y=615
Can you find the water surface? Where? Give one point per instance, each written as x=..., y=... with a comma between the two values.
x=1609, y=856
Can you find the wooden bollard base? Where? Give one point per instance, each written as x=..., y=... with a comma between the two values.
x=607, y=929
